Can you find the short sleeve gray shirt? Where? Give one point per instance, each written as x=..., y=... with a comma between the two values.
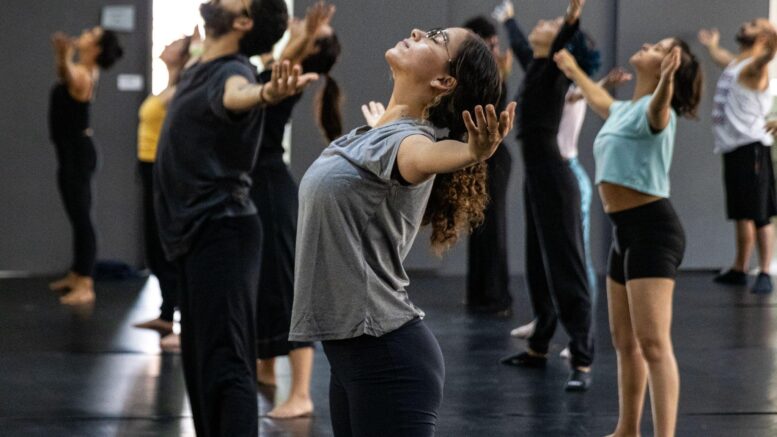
x=356, y=226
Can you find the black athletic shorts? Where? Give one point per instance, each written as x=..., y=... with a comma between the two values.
x=749, y=181
x=647, y=242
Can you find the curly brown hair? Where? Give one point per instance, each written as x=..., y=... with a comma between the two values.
x=458, y=199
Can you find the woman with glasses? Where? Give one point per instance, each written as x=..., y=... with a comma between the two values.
x=555, y=260
x=361, y=205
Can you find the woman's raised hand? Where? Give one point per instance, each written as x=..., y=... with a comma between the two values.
x=372, y=113
x=670, y=64
x=566, y=62
x=486, y=132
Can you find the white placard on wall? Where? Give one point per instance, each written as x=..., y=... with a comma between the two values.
x=120, y=18
x=130, y=82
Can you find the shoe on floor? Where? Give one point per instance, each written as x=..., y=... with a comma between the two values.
x=579, y=380
x=525, y=359
x=524, y=331
x=763, y=284
x=731, y=277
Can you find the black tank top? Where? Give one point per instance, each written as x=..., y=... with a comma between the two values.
x=68, y=117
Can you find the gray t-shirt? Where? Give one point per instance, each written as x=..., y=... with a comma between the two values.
x=356, y=226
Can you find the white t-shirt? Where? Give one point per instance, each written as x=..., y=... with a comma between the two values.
x=739, y=113
x=571, y=123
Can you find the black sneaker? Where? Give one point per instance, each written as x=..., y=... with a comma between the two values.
x=763, y=284
x=524, y=359
x=579, y=380
x=732, y=277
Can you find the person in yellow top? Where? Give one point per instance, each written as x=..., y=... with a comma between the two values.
x=152, y=116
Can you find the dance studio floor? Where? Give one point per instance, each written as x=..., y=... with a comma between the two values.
x=92, y=374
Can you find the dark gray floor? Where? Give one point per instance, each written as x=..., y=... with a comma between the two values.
x=92, y=374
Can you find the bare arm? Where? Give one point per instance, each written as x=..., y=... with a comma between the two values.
x=755, y=75
x=614, y=78
x=419, y=158
x=303, y=32
x=77, y=78
x=710, y=38
x=240, y=95
x=659, y=111
x=597, y=97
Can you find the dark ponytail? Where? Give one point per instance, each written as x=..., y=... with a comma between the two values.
x=458, y=199
x=328, y=102
x=688, y=82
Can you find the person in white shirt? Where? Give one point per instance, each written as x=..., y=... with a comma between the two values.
x=739, y=114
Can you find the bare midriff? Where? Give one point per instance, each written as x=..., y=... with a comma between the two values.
x=619, y=198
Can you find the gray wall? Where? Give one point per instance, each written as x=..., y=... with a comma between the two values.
x=34, y=229
x=697, y=189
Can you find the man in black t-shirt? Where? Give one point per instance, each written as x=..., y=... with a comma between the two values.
x=207, y=222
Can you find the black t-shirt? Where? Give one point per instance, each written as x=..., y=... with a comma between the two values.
x=205, y=154
x=275, y=119
x=541, y=103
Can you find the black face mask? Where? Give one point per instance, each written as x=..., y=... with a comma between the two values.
x=744, y=39
x=217, y=19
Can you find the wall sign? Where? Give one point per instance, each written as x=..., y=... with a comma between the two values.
x=120, y=18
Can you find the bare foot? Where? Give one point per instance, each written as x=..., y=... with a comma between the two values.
x=170, y=343
x=161, y=326
x=81, y=293
x=265, y=372
x=64, y=283
x=294, y=407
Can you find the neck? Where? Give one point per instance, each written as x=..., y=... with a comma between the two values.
x=646, y=85
x=172, y=75
x=403, y=104
x=749, y=52
x=228, y=44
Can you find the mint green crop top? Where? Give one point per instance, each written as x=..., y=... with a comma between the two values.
x=628, y=153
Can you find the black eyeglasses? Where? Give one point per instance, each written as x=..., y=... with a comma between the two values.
x=436, y=35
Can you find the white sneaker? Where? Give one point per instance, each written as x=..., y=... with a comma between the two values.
x=524, y=331
x=565, y=353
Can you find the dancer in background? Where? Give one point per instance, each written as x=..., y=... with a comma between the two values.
x=207, y=222
x=69, y=127
x=361, y=205
x=742, y=102
x=487, y=272
x=315, y=46
x=555, y=258
x=633, y=153
x=152, y=116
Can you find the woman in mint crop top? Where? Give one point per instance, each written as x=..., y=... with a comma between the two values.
x=633, y=154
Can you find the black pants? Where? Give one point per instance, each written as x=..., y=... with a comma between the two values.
x=164, y=270
x=555, y=260
x=77, y=160
x=749, y=181
x=275, y=193
x=218, y=278
x=386, y=386
x=487, y=273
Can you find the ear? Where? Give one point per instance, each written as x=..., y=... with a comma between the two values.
x=243, y=24
x=444, y=84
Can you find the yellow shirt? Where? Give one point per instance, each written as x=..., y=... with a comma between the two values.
x=152, y=115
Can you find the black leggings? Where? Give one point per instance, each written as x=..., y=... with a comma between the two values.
x=218, y=297
x=487, y=273
x=555, y=260
x=163, y=269
x=386, y=386
x=648, y=242
x=77, y=160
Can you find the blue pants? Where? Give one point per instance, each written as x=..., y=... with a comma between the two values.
x=586, y=193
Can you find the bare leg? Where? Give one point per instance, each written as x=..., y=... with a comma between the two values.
x=632, y=369
x=650, y=304
x=81, y=292
x=299, y=403
x=265, y=372
x=765, y=236
x=745, y=244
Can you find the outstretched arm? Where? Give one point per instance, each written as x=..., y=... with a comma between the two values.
x=614, y=78
x=710, y=38
x=597, y=97
x=570, y=27
x=419, y=158
x=241, y=95
x=77, y=78
x=303, y=32
x=505, y=14
x=660, y=111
